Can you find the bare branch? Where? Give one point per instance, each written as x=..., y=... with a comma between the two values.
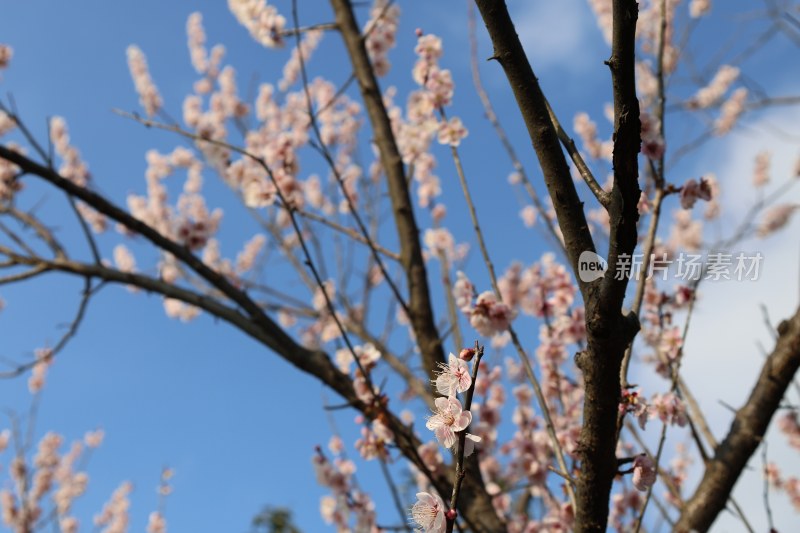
x=747, y=431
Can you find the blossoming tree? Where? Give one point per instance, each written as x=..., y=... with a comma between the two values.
x=362, y=239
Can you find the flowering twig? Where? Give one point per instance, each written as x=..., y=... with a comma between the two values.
x=557, y=449
x=326, y=154
x=462, y=437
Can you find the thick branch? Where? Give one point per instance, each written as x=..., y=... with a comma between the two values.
x=135, y=225
x=625, y=193
x=608, y=331
x=509, y=53
x=419, y=303
x=747, y=431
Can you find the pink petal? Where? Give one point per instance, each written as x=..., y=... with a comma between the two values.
x=434, y=422
x=462, y=421
x=445, y=436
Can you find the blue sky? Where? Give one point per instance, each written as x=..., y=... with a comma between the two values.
x=237, y=424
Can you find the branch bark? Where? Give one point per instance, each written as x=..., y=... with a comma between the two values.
x=419, y=302
x=608, y=331
x=509, y=53
x=747, y=431
x=475, y=505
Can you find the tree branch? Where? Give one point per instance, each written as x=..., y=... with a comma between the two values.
x=509, y=53
x=419, y=303
x=747, y=430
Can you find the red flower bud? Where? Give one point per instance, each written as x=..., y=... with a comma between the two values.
x=467, y=354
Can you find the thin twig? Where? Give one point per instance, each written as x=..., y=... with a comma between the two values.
x=491, y=116
x=559, y=453
x=462, y=438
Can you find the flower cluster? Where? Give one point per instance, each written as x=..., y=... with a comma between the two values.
x=776, y=218
x=699, y=8
x=716, y=89
x=51, y=475
x=587, y=131
x=346, y=502
x=149, y=96
x=74, y=169
x=692, y=191
x=789, y=485
x=644, y=472
x=730, y=112
x=263, y=21
x=381, y=32
x=449, y=417
x=669, y=408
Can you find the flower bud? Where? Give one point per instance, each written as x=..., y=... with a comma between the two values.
x=467, y=354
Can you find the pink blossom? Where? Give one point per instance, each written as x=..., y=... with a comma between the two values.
x=371, y=445
x=197, y=41
x=291, y=70
x=124, y=259
x=382, y=28
x=439, y=82
x=430, y=455
x=454, y=377
x=761, y=170
x=156, y=523
x=5, y=437
x=686, y=232
x=644, y=472
x=263, y=21
x=653, y=145
x=646, y=82
x=470, y=441
x=699, y=8
x=669, y=408
x=72, y=166
x=602, y=10
x=367, y=355
x=713, y=206
x=451, y=132
x=528, y=215
x=6, y=123
x=6, y=53
x=587, y=131
x=716, y=89
x=490, y=316
x=730, y=112
x=114, y=515
x=9, y=184
x=149, y=96
x=463, y=292
x=789, y=426
x=429, y=48
x=447, y=420
x=246, y=259
x=44, y=358
x=776, y=218
x=94, y=439
x=68, y=524
x=440, y=242
x=428, y=513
